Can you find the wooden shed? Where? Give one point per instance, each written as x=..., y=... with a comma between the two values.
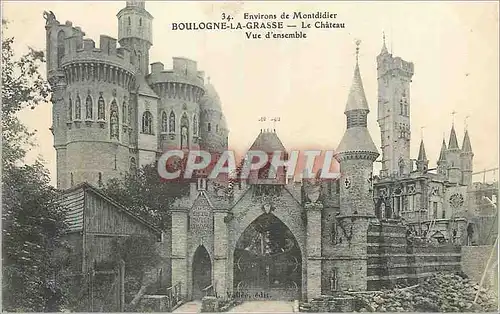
x=94, y=221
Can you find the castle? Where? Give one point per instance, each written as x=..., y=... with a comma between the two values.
x=111, y=114
x=284, y=238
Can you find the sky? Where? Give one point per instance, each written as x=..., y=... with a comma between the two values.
x=305, y=82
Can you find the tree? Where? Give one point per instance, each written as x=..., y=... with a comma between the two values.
x=146, y=194
x=32, y=223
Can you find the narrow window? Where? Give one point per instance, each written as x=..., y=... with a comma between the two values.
x=88, y=107
x=78, y=108
x=164, y=122
x=70, y=109
x=60, y=47
x=171, y=122
x=129, y=21
x=209, y=128
x=100, y=109
x=147, y=123
x=114, y=119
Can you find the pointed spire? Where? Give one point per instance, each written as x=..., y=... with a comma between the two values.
x=466, y=147
x=384, y=47
x=356, y=99
x=442, y=154
x=453, y=142
x=421, y=152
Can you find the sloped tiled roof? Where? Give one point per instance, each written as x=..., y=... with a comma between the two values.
x=466, y=146
x=267, y=141
x=73, y=202
x=453, y=142
x=421, y=151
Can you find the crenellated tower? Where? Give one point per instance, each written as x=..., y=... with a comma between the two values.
x=394, y=77
x=135, y=32
x=90, y=104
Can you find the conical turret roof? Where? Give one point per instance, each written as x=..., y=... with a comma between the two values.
x=453, y=142
x=442, y=153
x=466, y=147
x=384, y=48
x=356, y=99
x=357, y=137
x=421, y=152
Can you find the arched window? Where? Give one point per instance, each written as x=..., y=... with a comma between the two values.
x=133, y=165
x=406, y=110
x=60, y=47
x=139, y=60
x=164, y=122
x=140, y=22
x=401, y=107
x=209, y=127
x=401, y=167
x=129, y=21
x=100, y=109
x=70, y=109
x=216, y=128
x=124, y=111
x=195, y=125
x=113, y=121
x=78, y=108
x=147, y=123
x=171, y=122
x=99, y=181
x=184, y=131
x=88, y=107
x=72, y=180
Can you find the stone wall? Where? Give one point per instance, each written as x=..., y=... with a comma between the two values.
x=474, y=260
x=394, y=260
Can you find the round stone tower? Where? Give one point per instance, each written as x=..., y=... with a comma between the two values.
x=135, y=31
x=356, y=154
x=213, y=128
x=90, y=104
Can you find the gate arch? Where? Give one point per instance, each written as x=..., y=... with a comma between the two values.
x=267, y=261
x=202, y=272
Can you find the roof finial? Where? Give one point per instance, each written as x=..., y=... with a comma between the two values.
x=422, y=132
x=453, y=113
x=358, y=42
x=465, y=122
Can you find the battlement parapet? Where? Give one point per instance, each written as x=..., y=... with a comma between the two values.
x=79, y=50
x=183, y=81
x=391, y=63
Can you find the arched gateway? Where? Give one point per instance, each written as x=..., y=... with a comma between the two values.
x=267, y=261
x=202, y=272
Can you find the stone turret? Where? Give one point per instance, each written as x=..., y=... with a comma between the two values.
x=422, y=161
x=466, y=157
x=356, y=154
x=135, y=31
x=453, y=158
x=442, y=164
